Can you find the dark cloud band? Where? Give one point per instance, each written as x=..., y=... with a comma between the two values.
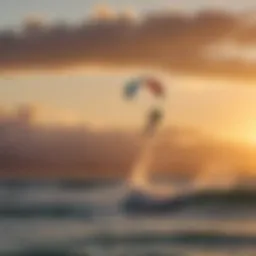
x=172, y=41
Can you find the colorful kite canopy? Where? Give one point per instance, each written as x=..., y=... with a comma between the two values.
x=156, y=88
x=132, y=87
x=149, y=83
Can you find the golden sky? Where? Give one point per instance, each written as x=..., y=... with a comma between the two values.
x=74, y=72
x=70, y=74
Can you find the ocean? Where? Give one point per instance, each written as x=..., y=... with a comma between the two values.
x=105, y=217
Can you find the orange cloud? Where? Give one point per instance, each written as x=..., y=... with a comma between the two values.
x=172, y=41
x=103, y=12
x=232, y=51
x=33, y=150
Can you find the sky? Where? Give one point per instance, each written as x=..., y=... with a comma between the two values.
x=93, y=96
x=12, y=13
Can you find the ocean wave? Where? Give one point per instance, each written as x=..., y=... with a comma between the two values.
x=86, y=184
x=215, y=202
x=65, y=184
x=177, y=244
x=96, y=252
x=193, y=238
x=39, y=253
x=55, y=210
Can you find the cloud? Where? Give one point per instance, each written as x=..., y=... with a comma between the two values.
x=231, y=51
x=172, y=41
x=34, y=22
x=38, y=114
x=46, y=115
x=30, y=149
x=104, y=12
